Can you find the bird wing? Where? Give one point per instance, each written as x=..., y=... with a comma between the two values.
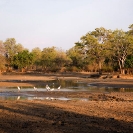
x=59, y=87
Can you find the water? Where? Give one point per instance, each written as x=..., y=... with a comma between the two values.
x=12, y=93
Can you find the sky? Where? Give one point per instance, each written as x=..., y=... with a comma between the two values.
x=60, y=23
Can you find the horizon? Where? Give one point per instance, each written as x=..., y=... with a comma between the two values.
x=60, y=23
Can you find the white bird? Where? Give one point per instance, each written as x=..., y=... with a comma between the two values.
x=47, y=98
x=18, y=88
x=47, y=87
x=35, y=88
x=52, y=89
x=18, y=97
x=52, y=98
x=59, y=87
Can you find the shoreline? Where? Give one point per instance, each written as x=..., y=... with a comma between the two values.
x=32, y=80
x=44, y=116
x=104, y=112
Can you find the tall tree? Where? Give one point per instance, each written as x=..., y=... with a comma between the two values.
x=122, y=45
x=94, y=45
x=2, y=56
x=11, y=49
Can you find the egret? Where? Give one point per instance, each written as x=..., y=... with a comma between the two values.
x=18, y=88
x=35, y=88
x=52, y=89
x=51, y=98
x=18, y=97
x=47, y=87
x=59, y=87
x=47, y=98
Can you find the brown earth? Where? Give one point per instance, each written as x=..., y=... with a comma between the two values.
x=102, y=113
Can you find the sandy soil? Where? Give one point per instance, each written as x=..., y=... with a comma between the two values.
x=102, y=113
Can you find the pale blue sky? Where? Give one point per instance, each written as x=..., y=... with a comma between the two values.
x=60, y=23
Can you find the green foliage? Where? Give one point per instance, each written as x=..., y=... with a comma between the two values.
x=102, y=44
x=73, y=69
x=129, y=61
x=122, y=46
x=93, y=46
x=11, y=49
x=77, y=56
x=36, y=57
x=99, y=50
x=53, y=59
x=130, y=32
x=48, y=57
x=23, y=59
x=62, y=59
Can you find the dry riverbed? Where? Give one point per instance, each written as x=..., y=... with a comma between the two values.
x=102, y=113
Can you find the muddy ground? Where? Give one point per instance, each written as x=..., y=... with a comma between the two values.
x=102, y=113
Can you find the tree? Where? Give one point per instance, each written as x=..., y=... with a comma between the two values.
x=93, y=43
x=48, y=57
x=11, y=49
x=61, y=60
x=121, y=44
x=77, y=56
x=129, y=64
x=130, y=32
x=2, y=57
x=19, y=48
x=22, y=60
x=36, y=56
x=2, y=49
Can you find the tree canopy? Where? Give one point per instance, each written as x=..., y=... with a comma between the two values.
x=101, y=50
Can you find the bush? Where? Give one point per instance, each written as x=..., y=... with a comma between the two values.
x=73, y=69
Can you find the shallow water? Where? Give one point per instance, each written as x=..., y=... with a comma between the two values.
x=10, y=92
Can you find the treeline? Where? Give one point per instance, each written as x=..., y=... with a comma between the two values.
x=100, y=50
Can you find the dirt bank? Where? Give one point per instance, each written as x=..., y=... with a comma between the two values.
x=41, y=79
x=101, y=113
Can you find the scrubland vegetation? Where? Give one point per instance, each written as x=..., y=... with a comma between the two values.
x=101, y=50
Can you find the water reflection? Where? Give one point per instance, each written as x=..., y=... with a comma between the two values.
x=18, y=97
x=69, y=85
x=42, y=98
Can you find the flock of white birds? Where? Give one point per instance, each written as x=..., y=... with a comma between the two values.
x=47, y=88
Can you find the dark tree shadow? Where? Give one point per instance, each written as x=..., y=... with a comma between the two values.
x=39, y=118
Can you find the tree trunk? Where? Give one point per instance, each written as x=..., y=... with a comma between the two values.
x=100, y=67
x=121, y=66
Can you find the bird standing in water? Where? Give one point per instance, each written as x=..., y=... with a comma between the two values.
x=35, y=88
x=48, y=88
x=59, y=87
x=52, y=88
x=18, y=89
x=18, y=97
